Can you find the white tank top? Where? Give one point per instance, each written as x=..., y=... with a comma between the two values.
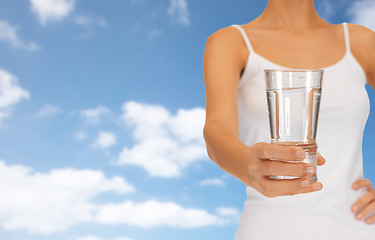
x=326, y=214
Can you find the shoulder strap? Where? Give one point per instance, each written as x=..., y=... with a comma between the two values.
x=245, y=37
x=346, y=34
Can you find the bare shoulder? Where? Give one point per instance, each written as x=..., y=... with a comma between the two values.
x=227, y=42
x=362, y=32
x=363, y=48
x=226, y=36
x=362, y=44
x=363, y=38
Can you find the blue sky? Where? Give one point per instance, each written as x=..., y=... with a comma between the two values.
x=101, y=115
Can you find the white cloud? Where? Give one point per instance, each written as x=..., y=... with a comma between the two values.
x=9, y=34
x=165, y=144
x=52, y=10
x=362, y=13
x=80, y=136
x=93, y=116
x=179, y=12
x=48, y=109
x=105, y=140
x=57, y=200
x=225, y=211
x=53, y=201
x=212, y=182
x=10, y=93
x=90, y=237
x=88, y=21
x=229, y=214
x=156, y=214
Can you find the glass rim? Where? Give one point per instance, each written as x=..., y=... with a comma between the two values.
x=294, y=70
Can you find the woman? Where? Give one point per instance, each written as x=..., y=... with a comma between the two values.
x=290, y=34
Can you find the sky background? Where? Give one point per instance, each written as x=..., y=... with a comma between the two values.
x=101, y=116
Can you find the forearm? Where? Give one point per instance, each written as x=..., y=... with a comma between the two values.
x=226, y=150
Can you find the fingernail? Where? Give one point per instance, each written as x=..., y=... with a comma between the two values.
x=316, y=186
x=310, y=170
x=354, y=185
x=301, y=155
x=305, y=183
x=359, y=216
x=354, y=208
x=368, y=221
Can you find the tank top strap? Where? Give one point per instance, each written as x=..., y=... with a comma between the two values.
x=346, y=34
x=245, y=37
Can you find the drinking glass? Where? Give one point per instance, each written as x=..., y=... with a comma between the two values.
x=293, y=98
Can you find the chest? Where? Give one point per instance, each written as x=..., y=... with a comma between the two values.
x=316, y=49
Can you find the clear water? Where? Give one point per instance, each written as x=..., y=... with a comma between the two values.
x=293, y=114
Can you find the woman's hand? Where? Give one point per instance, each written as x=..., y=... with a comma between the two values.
x=365, y=204
x=261, y=166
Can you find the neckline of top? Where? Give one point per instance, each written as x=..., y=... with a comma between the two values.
x=281, y=66
x=253, y=52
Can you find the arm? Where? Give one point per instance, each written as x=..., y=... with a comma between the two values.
x=222, y=66
x=371, y=60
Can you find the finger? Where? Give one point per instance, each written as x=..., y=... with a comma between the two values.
x=366, y=211
x=370, y=220
x=320, y=160
x=279, y=168
x=274, y=151
x=362, y=183
x=273, y=188
x=311, y=188
x=363, y=201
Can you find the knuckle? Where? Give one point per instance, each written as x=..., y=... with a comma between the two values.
x=292, y=151
x=264, y=186
x=372, y=218
x=265, y=193
x=268, y=167
x=252, y=176
x=269, y=194
x=360, y=203
x=260, y=146
x=302, y=171
x=265, y=150
x=251, y=169
x=298, y=169
x=366, y=210
x=268, y=191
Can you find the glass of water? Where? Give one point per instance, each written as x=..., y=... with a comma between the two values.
x=293, y=104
